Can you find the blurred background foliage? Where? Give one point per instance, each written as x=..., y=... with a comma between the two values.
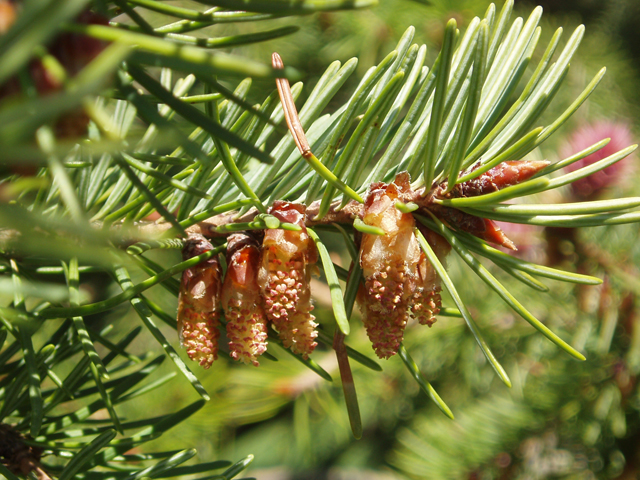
x=561, y=419
x=369, y=34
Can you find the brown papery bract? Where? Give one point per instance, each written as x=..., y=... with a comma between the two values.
x=199, y=304
x=284, y=279
x=242, y=302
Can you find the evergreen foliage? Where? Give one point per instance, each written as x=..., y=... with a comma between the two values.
x=85, y=219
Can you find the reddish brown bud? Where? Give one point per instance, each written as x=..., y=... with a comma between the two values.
x=74, y=50
x=480, y=227
x=198, y=304
x=241, y=300
x=284, y=279
x=501, y=176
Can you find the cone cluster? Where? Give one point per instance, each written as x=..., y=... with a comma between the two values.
x=266, y=282
x=400, y=283
x=269, y=282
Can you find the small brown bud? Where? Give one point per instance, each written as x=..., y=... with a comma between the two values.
x=501, y=176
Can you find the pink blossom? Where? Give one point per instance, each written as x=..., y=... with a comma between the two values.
x=592, y=186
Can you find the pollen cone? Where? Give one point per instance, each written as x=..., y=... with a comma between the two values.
x=242, y=302
x=284, y=279
x=198, y=304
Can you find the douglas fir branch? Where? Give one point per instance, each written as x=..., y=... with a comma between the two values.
x=269, y=271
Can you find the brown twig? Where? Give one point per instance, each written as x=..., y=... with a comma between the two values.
x=348, y=385
x=345, y=215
